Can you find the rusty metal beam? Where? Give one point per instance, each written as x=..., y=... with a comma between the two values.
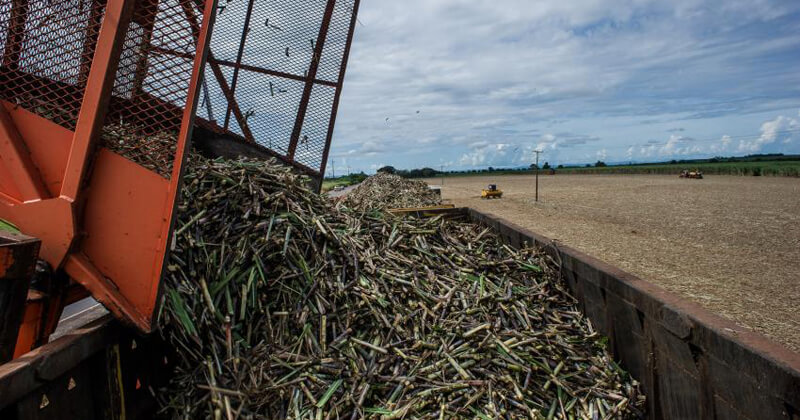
x=246, y=67
x=15, y=34
x=203, y=52
x=239, y=54
x=338, y=94
x=312, y=74
x=147, y=19
x=191, y=17
x=15, y=156
x=97, y=94
x=95, y=20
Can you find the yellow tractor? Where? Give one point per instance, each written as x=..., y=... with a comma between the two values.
x=491, y=192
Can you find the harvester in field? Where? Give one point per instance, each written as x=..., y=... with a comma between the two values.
x=696, y=174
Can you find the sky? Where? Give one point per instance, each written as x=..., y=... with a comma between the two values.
x=468, y=84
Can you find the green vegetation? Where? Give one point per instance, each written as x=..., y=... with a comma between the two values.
x=8, y=227
x=765, y=168
x=751, y=165
x=345, y=181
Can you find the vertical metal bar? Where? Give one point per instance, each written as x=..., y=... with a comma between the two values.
x=223, y=84
x=146, y=17
x=15, y=34
x=242, y=41
x=312, y=74
x=339, y=85
x=207, y=100
x=96, y=96
x=90, y=40
x=184, y=136
x=17, y=260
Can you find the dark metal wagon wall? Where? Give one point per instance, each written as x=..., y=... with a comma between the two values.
x=692, y=364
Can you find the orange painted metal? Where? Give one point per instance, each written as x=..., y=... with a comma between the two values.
x=103, y=220
x=17, y=160
x=97, y=94
x=124, y=221
x=47, y=142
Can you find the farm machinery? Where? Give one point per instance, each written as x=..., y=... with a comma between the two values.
x=491, y=192
x=95, y=211
x=696, y=174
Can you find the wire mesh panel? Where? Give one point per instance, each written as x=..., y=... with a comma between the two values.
x=275, y=73
x=47, y=48
x=152, y=82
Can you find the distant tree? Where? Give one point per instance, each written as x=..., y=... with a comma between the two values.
x=546, y=165
x=491, y=169
x=533, y=167
x=588, y=165
x=428, y=172
x=560, y=166
x=673, y=162
x=387, y=170
x=600, y=164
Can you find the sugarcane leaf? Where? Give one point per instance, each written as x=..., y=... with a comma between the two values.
x=329, y=393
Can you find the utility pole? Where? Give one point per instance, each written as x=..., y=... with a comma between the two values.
x=333, y=167
x=537, y=173
x=442, y=172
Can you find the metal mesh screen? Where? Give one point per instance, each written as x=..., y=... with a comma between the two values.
x=152, y=82
x=273, y=76
x=47, y=48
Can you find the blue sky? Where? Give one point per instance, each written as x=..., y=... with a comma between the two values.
x=478, y=83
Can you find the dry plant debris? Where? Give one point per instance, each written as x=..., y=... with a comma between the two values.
x=281, y=306
x=386, y=191
x=153, y=151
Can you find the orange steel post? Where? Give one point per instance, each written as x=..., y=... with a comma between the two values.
x=96, y=96
x=203, y=51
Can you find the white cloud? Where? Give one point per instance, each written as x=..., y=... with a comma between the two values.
x=487, y=72
x=782, y=129
x=722, y=146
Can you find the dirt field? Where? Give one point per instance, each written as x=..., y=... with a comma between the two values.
x=730, y=243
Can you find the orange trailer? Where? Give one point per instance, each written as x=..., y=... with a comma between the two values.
x=75, y=73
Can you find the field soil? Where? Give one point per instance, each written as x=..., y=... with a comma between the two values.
x=730, y=243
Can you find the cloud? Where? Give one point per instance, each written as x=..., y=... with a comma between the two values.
x=500, y=72
x=782, y=129
x=722, y=146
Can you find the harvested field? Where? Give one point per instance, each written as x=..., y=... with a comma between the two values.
x=729, y=243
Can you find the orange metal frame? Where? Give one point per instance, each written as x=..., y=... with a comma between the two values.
x=103, y=219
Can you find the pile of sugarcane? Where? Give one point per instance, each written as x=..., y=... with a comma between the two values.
x=387, y=191
x=280, y=306
x=153, y=151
